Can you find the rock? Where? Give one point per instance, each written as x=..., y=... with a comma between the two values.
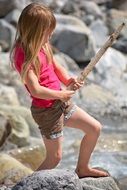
x=19, y=130
x=13, y=16
x=121, y=45
x=7, y=75
x=121, y=5
x=115, y=18
x=109, y=70
x=36, y=149
x=73, y=38
x=122, y=183
x=91, y=8
x=59, y=179
x=11, y=170
x=50, y=179
x=96, y=99
x=69, y=8
x=8, y=5
x=4, y=130
x=99, y=31
x=106, y=183
x=24, y=113
x=7, y=34
x=8, y=95
x=69, y=64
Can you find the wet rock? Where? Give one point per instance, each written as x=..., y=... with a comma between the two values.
x=73, y=38
x=11, y=170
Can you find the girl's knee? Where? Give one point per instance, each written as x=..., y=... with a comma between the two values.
x=95, y=129
x=55, y=158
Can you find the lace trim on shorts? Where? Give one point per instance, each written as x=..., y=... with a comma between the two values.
x=69, y=114
x=55, y=135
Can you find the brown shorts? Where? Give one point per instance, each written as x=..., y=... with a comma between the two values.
x=51, y=120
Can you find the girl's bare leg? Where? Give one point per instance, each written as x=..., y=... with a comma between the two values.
x=53, y=153
x=91, y=127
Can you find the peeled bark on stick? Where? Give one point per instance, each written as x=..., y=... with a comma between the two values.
x=99, y=54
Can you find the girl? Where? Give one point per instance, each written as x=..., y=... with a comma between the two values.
x=51, y=106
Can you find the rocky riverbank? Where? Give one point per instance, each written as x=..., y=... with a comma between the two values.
x=82, y=28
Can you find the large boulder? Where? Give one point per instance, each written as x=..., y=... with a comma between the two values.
x=120, y=4
x=11, y=170
x=49, y=180
x=59, y=179
x=8, y=5
x=7, y=35
x=115, y=18
x=73, y=38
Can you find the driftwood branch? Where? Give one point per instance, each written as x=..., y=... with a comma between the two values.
x=99, y=54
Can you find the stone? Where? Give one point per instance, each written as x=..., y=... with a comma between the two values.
x=73, y=38
x=50, y=179
x=11, y=170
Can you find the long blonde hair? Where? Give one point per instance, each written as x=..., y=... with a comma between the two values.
x=35, y=23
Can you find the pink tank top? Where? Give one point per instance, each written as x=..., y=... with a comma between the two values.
x=47, y=78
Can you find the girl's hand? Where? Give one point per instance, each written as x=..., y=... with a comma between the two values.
x=65, y=95
x=75, y=84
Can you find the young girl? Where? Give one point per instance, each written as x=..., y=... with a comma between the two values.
x=51, y=106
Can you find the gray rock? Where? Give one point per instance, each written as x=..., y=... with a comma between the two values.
x=54, y=179
x=99, y=31
x=8, y=95
x=107, y=183
x=92, y=8
x=115, y=18
x=24, y=113
x=8, y=5
x=120, y=4
x=73, y=38
x=7, y=33
x=57, y=179
x=69, y=8
x=121, y=45
x=13, y=16
x=122, y=183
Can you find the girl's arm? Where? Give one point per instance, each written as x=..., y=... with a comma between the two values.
x=42, y=92
x=65, y=78
x=62, y=73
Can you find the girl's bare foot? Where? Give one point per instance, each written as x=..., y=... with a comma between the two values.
x=91, y=172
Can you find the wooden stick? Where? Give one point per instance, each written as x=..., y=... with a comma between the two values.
x=99, y=54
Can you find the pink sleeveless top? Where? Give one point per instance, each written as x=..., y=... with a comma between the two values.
x=47, y=78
